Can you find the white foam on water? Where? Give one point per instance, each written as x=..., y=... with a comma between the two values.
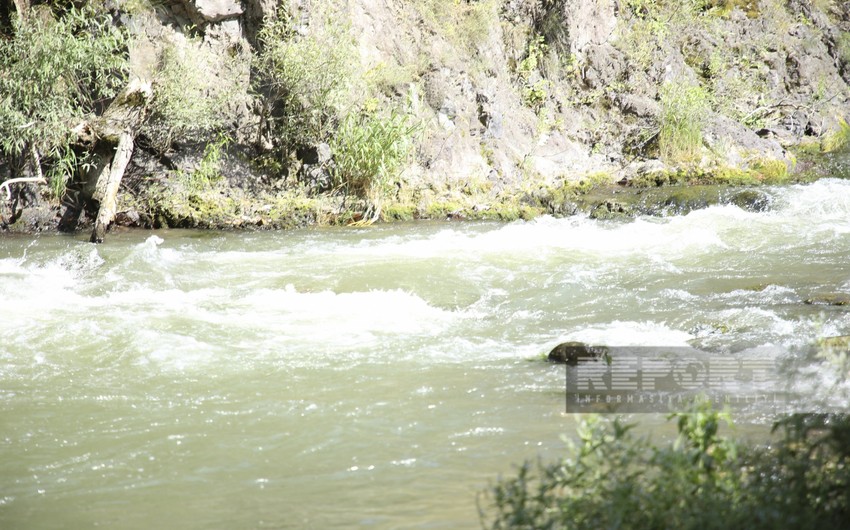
x=630, y=333
x=545, y=235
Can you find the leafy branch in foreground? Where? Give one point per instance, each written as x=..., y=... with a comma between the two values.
x=612, y=479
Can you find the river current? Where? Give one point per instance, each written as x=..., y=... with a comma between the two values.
x=377, y=377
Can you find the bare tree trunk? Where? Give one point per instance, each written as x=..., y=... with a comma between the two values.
x=117, y=127
x=23, y=7
x=115, y=170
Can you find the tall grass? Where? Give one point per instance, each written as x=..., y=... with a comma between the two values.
x=684, y=109
x=369, y=149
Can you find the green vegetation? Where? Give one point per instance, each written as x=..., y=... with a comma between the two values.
x=463, y=24
x=186, y=102
x=613, y=479
x=54, y=72
x=208, y=171
x=535, y=89
x=837, y=139
x=309, y=80
x=369, y=150
x=304, y=78
x=843, y=43
x=684, y=108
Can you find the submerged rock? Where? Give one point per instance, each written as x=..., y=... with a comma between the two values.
x=570, y=353
x=834, y=299
x=751, y=200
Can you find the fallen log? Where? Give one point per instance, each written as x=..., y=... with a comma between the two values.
x=112, y=181
x=115, y=132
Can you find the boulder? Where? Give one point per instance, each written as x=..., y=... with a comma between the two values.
x=570, y=353
x=751, y=200
x=214, y=10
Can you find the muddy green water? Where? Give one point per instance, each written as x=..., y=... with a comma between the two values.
x=376, y=377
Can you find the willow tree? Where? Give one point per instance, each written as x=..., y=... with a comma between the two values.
x=60, y=72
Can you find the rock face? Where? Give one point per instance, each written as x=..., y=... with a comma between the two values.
x=514, y=95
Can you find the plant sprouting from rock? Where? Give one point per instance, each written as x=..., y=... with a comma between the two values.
x=684, y=109
x=369, y=149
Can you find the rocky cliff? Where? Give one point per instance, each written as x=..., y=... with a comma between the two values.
x=282, y=113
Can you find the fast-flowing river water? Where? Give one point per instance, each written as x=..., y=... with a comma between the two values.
x=378, y=377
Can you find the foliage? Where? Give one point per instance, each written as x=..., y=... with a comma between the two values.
x=837, y=139
x=683, y=111
x=209, y=169
x=613, y=479
x=186, y=100
x=368, y=151
x=534, y=88
x=642, y=39
x=464, y=24
x=54, y=73
x=304, y=77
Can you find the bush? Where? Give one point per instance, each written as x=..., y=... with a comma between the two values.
x=304, y=78
x=836, y=139
x=683, y=111
x=612, y=479
x=186, y=100
x=368, y=151
x=54, y=73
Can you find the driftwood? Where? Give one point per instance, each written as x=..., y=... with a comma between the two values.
x=111, y=179
x=115, y=132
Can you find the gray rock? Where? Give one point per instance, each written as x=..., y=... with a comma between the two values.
x=571, y=353
x=489, y=116
x=638, y=105
x=214, y=10
x=737, y=143
x=605, y=64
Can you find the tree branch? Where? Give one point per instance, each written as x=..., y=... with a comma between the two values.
x=7, y=183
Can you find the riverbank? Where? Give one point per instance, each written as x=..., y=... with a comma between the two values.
x=219, y=206
x=263, y=114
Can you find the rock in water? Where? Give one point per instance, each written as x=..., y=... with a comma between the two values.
x=834, y=299
x=570, y=353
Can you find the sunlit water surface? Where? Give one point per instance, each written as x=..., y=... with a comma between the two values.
x=380, y=377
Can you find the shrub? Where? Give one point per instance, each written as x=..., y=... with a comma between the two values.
x=684, y=108
x=187, y=101
x=54, y=73
x=369, y=150
x=304, y=78
x=612, y=479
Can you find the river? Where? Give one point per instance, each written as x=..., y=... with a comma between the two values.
x=377, y=377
